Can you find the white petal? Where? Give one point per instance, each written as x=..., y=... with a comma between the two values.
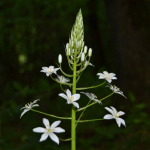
x=55, y=124
x=114, y=109
x=46, y=122
x=105, y=72
x=59, y=130
x=119, y=121
x=47, y=74
x=120, y=113
x=39, y=130
x=75, y=104
x=114, y=78
x=76, y=97
x=35, y=101
x=23, y=108
x=121, y=93
x=109, y=80
x=109, y=110
x=51, y=67
x=64, y=96
x=54, y=137
x=44, y=137
x=68, y=93
x=112, y=74
x=44, y=68
x=24, y=111
x=35, y=105
x=108, y=116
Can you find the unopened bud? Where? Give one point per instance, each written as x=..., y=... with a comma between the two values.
x=90, y=52
x=60, y=58
x=85, y=49
x=68, y=52
x=67, y=46
x=82, y=57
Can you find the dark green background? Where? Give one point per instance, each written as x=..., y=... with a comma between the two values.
x=34, y=32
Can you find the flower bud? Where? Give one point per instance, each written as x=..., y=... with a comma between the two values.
x=68, y=52
x=60, y=58
x=85, y=49
x=82, y=57
x=90, y=52
x=67, y=46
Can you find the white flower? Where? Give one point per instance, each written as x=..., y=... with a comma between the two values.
x=62, y=79
x=115, y=115
x=28, y=107
x=49, y=70
x=86, y=62
x=49, y=130
x=60, y=58
x=91, y=96
x=71, y=98
x=115, y=89
x=90, y=52
x=108, y=76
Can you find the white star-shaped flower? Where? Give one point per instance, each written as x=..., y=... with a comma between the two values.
x=49, y=130
x=28, y=107
x=115, y=89
x=115, y=115
x=71, y=98
x=62, y=79
x=107, y=76
x=49, y=70
x=91, y=96
x=86, y=62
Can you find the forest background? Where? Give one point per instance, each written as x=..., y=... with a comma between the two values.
x=34, y=32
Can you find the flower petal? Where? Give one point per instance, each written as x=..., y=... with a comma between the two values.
x=114, y=109
x=120, y=113
x=75, y=104
x=105, y=72
x=46, y=122
x=54, y=137
x=35, y=105
x=39, y=130
x=35, y=101
x=64, y=96
x=55, y=124
x=109, y=80
x=44, y=137
x=59, y=130
x=108, y=109
x=47, y=74
x=44, y=68
x=76, y=97
x=112, y=74
x=108, y=116
x=24, y=111
x=119, y=121
x=68, y=93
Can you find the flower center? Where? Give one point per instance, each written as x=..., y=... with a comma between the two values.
x=71, y=98
x=49, y=70
x=49, y=130
x=108, y=76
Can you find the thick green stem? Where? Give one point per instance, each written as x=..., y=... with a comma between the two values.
x=73, y=125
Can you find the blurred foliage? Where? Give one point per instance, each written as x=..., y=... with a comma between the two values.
x=33, y=33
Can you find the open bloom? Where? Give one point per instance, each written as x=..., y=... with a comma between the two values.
x=49, y=70
x=115, y=115
x=91, y=96
x=62, y=79
x=71, y=98
x=49, y=130
x=115, y=89
x=107, y=76
x=28, y=107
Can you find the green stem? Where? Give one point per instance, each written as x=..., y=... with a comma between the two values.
x=89, y=120
x=73, y=125
x=82, y=113
x=62, y=88
x=68, y=75
x=85, y=88
x=50, y=115
x=95, y=102
x=65, y=139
